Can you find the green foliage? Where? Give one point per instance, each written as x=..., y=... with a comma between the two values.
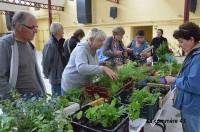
x=79, y=115
x=139, y=95
x=40, y=115
x=105, y=114
x=73, y=95
x=163, y=49
x=131, y=70
x=163, y=52
x=176, y=67
x=162, y=69
x=151, y=99
x=153, y=79
x=134, y=110
x=125, y=71
x=105, y=81
x=138, y=99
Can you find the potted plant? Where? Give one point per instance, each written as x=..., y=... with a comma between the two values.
x=35, y=114
x=105, y=117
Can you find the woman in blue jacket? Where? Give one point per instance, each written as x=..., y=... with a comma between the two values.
x=187, y=83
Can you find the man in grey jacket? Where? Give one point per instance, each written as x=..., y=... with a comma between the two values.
x=19, y=69
x=54, y=58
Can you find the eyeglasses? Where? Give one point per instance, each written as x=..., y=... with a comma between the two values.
x=30, y=27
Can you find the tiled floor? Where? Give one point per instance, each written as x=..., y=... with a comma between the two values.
x=169, y=113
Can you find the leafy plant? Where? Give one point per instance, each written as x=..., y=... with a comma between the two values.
x=175, y=67
x=35, y=114
x=163, y=52
x=105, y=81
x=73, y=95
x=138, y=99
x=139, y=96
x=105, y=114
x=134, y=110
x=151, y=99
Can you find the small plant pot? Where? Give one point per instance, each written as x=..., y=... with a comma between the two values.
x=148, y=111
x=83, y=125
x=123, y=96
x=141, y=84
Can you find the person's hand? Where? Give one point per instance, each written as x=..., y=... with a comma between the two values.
x=110, y=73
x=126, y=54
x=118, y=53
x=129, y=50
x=170, y=79
x=143, y=55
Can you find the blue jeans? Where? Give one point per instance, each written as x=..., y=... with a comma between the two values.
x=190, y=123
x=56, y=89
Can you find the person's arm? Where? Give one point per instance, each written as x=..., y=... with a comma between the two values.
x=190, y=83
x=47, y=59
x=84, y=68
x=5, y=87
x=153, y=42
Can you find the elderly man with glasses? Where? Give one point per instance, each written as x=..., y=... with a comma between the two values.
x=19, y=69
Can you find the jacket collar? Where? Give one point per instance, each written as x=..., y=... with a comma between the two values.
x=196, y=49
x=54, y=38
x=193, y=52
x=29, y=42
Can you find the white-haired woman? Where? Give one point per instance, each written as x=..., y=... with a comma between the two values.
x=54, y=60
x=83, y=62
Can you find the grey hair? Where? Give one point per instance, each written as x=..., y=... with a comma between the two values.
x=96, y=34
x=55, y=27
x=20, y=17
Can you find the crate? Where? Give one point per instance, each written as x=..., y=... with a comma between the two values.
x=85, y=126
x=148, y=111
x=123, y=96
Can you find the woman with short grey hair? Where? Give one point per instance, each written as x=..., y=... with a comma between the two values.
x=54, y=59
x=83, y=62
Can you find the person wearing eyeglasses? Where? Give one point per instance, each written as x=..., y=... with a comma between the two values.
x=187, y=83
x=54, y=59
x=19, y=70
x=114, y=48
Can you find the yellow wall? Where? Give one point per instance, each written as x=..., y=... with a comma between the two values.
x=132, y=15
x=3, y=28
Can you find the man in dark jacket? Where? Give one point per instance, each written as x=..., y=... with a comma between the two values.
x=54, y=58
x=71, y=43
x=157, y=41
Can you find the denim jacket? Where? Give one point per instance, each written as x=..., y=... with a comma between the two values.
x=188, y=84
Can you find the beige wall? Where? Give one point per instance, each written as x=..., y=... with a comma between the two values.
x=132, y=15
x=3, y=28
